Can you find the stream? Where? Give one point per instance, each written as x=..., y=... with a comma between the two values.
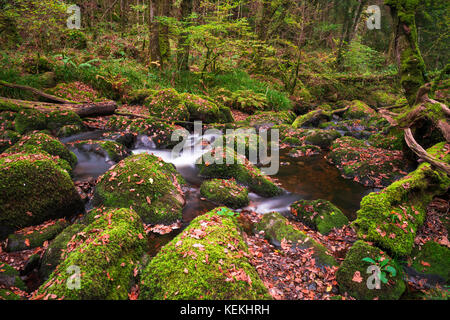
x=301, y=178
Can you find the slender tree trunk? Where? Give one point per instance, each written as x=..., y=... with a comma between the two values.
x=155, y=53
x=183, y=41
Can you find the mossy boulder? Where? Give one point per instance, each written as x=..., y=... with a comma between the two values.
x=146, y=183
x=225, y=192
x=168, y=104
x=35, y=236
x=214, y=165
x=304, y=151
x=36, y=64
x=39, y=142
x=243, y=100
x=10, y=278
x=76, y=91
x=243, y=142
x=392, y=141
x=390, y=218
x=434, y=259
x=205, y=110
x=365, y=164
x=8, y=294
x=59, y=119
x=158, y=131
x=34, y=189
x=108, y=149
x=52, y=256
x=106, y=252
x=268, y=119
x=7, y=139
x=207, y=261
x=139, y=96
x=320, y=215
x=321, y=138
x=29, y=120
x=276, y=228
x=352, y=276
x=358, y=110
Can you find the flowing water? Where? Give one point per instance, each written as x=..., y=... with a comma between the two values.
x=302, y=178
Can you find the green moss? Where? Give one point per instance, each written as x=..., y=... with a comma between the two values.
x=147, y=184
x=359, y=289
x=106, y=251
x=239, y=168
x=160, y=132
x=321, y=215
x=28, y=239
x=34, y=189
x=113, y=150
x=29, y=120
x=393, y=141
x=168, y=104
x=268, y=118
x=358, y=110
x=276, y=228
x=7, y=139
x=436, y=259
x=52, y=256
x=75, y=39
x=392, y=217
x=44, y=142
x=58, y=119
x=9, y=106
x=139, y=96
x=307, y=119
x=225, y=192
x=321, y=138
x=9, y=277
x=246, y=143
x=205, y=110
x=366, y=164
x=208, y=260
x=8, y=294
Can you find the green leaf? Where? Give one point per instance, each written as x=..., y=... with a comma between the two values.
x=391, y=270
x=384, y=262
x=367, y=259
x=383, y=277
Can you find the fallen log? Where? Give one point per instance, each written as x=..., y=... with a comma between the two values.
x=36, y=92
x=83, y=110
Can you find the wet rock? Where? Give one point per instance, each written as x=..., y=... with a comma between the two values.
x=35, y=236
x=225, y=192
x=365, y=164
x=108, y=149
x=432, y=259
x=34, y=189
x=276, y=228
x=352, y=275
x=144, y=182
x=240, y=169
x=208, y=260
x=320, y=215
x=107, y=251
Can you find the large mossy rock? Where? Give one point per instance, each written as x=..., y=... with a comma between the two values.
x=108, y=149
x=106, y=252
x=358, y=110
x=54, y=253
x=277, y=228
x=391, y=217
x=158, y=131
x=243, y=142
x=321, y=138
x=202, y=109
x=29, y=120
x=10, y=278
x=432, y=259
x=34, y=189
x=207, y=261
x=146, y=183
x=370, y=166
x=225, y=192
x=239, y=168
x=64, y=123
x=168, y=104
x=320, y=215
x=34, y=236
x=38, y=142
x=7, y=139
x=268, y=119
x=352, y=275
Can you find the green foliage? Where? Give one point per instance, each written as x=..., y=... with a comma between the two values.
x=362, y=59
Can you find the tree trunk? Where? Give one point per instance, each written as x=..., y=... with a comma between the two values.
x=406, y=49
x=183, y=41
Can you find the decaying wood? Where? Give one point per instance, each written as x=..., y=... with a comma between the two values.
x=83, y=110
x=421, y=153
x=37, y=92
